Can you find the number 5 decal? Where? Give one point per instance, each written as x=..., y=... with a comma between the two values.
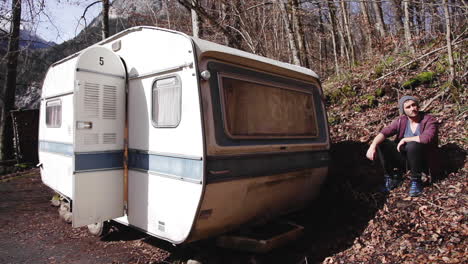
x=101, y=61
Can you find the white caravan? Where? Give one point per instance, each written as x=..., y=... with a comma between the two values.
x=180, y=137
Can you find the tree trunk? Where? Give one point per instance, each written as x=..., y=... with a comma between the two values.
x=195, y=21
x=379, y=19
x=408, y=40
x=290, y=32
x=299, y=33
x=368, y=27
x=331, y=15
x=9, y=90
x=417, y=17
x=398, y=15
x=448, y=36
x=344, y=12
x=436, y=24
x=322, y=41
x=105, y=19
x=343, y=46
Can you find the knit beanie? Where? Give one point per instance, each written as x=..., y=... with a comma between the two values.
x=402, y=101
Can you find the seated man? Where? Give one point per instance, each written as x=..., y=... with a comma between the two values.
x=415, y=145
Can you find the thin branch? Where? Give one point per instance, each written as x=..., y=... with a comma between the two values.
x=421, y=57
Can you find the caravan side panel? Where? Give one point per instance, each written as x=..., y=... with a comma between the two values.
x=56, y=135
x=166, y=158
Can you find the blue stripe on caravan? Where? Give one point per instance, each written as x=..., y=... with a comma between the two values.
x=55, y=147
x=99, y=161
x=183, y=168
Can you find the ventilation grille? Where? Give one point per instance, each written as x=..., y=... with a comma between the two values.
x=109, y=105
x=91, y=100
x=90, y=139
x=109, y=138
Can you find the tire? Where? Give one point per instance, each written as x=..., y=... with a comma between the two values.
x=99, y=229
x=64, y=212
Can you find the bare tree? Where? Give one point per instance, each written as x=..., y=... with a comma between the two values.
x=448, y=36
x=332, y=17
x=105, y=19
x=368, y=28
x=196, y=23
x=408, y=40
x=344, y=12
x=397, y=14
x=299, y=33
x=9, y=90
x=232, y=40
x=379, y=18
x=290, y=32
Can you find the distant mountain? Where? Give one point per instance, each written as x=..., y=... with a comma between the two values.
x=28, y=40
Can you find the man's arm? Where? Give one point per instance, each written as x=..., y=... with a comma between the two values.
x=406, y=140
x=373, y=147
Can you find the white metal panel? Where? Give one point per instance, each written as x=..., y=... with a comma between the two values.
x=59, y=79
x=99, y=111
x=57, y=172
x=97, y=197
x=56, y=169
x=100, y=99
x=152, y=50
x=162, y=206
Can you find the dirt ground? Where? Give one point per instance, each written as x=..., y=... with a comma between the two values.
x=33, y=233
x=349, y=223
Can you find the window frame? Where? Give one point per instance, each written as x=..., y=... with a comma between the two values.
x=46, y=113
x=153, y=105
x=271, y=84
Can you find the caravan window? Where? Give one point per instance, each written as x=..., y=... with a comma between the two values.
x=54, y=113
x=166, y=106
x=259, y=109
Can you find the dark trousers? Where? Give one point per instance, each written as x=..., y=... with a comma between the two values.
x=394, y=162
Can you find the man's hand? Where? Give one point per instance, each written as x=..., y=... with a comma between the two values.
x=401, y=143
x=371, y=153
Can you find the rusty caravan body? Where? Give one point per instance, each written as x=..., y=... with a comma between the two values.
x=180, y=137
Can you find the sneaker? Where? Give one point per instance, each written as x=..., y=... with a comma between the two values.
x=391, y=182
x=415, y=188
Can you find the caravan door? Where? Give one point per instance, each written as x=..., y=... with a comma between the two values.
x=99, y=122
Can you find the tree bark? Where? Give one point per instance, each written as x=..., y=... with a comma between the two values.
x=9, y=90
x=343, y=46
x=398, y=15
x=299, y=33
x=344, y=12
x=408, y=40
x=195, y=21
x=448, y=37
x=232, y=40
x=368, y=27
x=379, y=19
x=331, y=15
x=105, y=19
x=289, y=29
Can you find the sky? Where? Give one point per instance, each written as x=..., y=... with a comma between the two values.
x=62, y=21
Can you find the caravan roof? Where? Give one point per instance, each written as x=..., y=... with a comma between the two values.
x=211, y=49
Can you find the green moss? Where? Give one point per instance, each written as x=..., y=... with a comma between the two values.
x=422, y=78
x=333, y=120
x=378, y=71
x=379, y=92
x=357, y=108
x=384, y=64
x=440, y=67
x=371, y=101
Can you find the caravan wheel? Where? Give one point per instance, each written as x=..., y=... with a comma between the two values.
x=64, y=212
x=99, y=229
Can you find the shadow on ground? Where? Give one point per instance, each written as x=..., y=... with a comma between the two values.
x=350, y=198
x=348, y=201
